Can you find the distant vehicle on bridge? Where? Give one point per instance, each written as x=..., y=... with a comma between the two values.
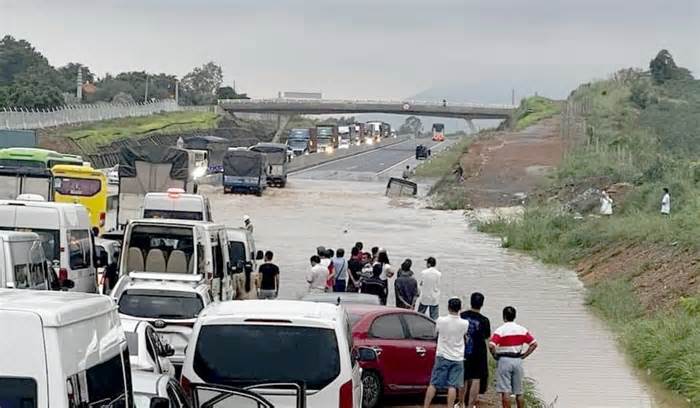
x=327, y=136
x=302, y=141
x=438, y=132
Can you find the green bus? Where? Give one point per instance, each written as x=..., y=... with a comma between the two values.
x=28, y=171
x=39, y=158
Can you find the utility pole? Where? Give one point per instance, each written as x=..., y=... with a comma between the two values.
x=177, y=92
x=512, y=96
x=145, y=96
x=79, y=84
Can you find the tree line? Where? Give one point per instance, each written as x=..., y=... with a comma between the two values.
x=29, y=81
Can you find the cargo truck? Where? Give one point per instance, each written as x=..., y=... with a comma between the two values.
x=327, y=136
x=302, y=141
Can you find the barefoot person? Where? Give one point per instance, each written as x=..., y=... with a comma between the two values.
x=448, y=370
x=510, y=345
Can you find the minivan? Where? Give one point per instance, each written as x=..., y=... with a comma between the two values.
x=254, y=342
x=176, y=204
x=65, y=350
x=22, y=262
x=66, y=234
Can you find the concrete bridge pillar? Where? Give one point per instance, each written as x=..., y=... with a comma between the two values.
x=282, y=121
x=471, y=126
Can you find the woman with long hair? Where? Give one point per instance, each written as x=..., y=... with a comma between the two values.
x=383, y=260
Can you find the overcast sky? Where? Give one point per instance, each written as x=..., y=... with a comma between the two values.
x=472, y=50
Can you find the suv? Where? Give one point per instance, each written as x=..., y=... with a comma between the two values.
x=246, y=343
x=170, y=302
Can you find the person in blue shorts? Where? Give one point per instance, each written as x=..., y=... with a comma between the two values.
x=448, y=370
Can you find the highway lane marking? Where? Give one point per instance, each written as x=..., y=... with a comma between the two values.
x=407, y=159
x=346, y=158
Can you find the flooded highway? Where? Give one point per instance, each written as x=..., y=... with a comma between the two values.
x=577, y=364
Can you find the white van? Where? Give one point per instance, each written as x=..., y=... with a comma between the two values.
x=179, y=246
x=66, y=234
x=63, y=350
x=276, y=341
x=177, y=205
x=22, y=262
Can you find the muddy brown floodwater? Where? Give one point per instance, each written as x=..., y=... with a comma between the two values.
x=577, y=364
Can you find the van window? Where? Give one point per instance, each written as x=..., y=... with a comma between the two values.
x=167, y=238
x=9, y=187
x=79, y=245
x=49, y=240
x=267, y=353
x=37, y=185
x=17, y=392
x=160, y=304
x=77, y=186
x=29, y=264
x=236, y=252
x=103, y=385
x=173, y=215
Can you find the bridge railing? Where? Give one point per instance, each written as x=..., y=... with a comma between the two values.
x=368, y=101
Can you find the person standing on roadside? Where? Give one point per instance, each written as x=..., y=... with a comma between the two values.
x=666, y=202
x=406, y=287
x=476, y=370
x=354, y=270
x=606, y=203
x=376, y=285
x=247, y=224
x=448, y=370
x=510, y=345
x=407, y=173
x=246, y=284
x=269, y=278
x=317, y=275
x=383, y=260
x=340, y=266
x=429, y=286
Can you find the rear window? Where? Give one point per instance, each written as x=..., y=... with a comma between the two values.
x=173, y=215
x=236, y=252
x=79, y=249
x=22, y=163
x=264, y=353
x=49, y=240
x=17, y=392
x=103, y=385
x=77, y=186
x=161, y=304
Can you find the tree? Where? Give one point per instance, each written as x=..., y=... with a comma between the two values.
x=227, y=92
x=664, y=68
x=412, y=125
x=17, y=57
x=35, y=89
x=199, y=86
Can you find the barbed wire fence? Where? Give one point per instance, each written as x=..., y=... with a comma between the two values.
x=21, y=118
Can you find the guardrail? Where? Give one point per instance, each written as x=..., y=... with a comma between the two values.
x=358, y=101
x=19, y=118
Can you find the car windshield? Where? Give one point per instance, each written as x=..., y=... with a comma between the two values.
x=160, y=304
x=267, y=353
x=325, y=132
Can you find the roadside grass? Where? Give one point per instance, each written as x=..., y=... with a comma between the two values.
x=665, y=343
x=92, y=135
x=531, y=396
x=444, y=162
x=533, y=110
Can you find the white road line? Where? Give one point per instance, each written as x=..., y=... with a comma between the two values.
x=405, y=160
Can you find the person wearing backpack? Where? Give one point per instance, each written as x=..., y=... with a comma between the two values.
x=476, y=369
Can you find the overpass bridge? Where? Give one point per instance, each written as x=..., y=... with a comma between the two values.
x=326, y=106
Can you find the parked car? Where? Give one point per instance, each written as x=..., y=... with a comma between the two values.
x=405, y=342
x=147, y=351
x=277, y=341
x=152, y=389
x=338, y=298
x=170, y=302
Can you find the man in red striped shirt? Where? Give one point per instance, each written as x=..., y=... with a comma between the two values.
x=510, y=344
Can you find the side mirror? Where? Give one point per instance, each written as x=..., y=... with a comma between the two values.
x=260, y=255
x=365, y=354
x=167, y=351
x=159, y=402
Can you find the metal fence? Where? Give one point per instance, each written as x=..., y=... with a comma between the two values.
x=17, y=118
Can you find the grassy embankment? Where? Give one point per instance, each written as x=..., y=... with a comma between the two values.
x=92, y=135
x=447, y=191
x=644, y=134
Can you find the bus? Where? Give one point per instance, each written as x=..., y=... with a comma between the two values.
x=82, y=185
x=438, y=132
x=33, y=157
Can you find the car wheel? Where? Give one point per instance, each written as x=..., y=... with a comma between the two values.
x=372, y=388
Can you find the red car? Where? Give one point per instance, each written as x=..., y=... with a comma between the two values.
x=405, y=344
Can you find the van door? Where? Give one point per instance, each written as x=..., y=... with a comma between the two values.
x=227, y=270
x=77, y=259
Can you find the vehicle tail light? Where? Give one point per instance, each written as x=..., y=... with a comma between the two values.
x=346, y=395
x=186, y=384
x=103, y=216
x=63, y=274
